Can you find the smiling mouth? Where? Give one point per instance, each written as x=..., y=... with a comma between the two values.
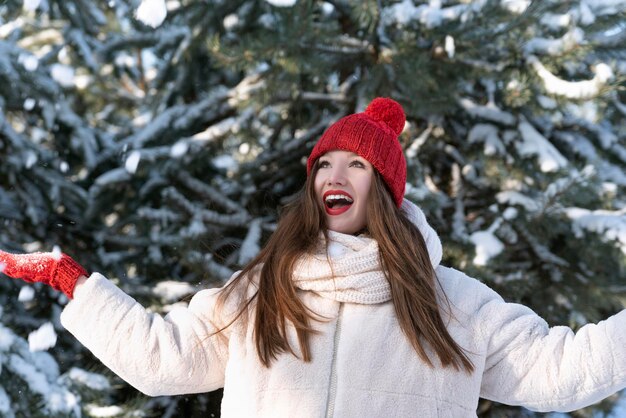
x=337, y=203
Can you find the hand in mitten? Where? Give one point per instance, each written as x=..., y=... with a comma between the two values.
x=56, y=270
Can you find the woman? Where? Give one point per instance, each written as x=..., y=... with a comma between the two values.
x=345, y=312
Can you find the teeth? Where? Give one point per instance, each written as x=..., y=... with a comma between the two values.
x=332, y=197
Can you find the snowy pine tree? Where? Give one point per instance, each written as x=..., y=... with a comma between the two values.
x=159, y=150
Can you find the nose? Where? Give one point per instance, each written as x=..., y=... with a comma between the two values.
x=336, y=176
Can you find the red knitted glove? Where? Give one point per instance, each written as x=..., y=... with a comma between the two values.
x=60, y=272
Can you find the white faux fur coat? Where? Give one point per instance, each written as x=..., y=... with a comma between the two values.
x=363, y=365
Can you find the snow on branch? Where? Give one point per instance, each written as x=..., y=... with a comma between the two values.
x=533, y=143
x=162, y=215
x=540, y=250
x=238, y=219
x=175, y=119
x=610, y=224
x=487, y=245
x=250, y=246
x=488, y=134
x=491, y=112
x=151, y=12
x=294, y=145
x=572, y=39
x=211, y=266
x=430, y=15
x=208, y=192
x=579, y=90
x=281, y=3
x=514, y=197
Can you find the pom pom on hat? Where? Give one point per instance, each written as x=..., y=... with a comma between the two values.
x=373, y=135
x=387, y=111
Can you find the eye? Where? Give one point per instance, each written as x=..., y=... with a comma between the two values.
x=357, y=163
x=323, y=164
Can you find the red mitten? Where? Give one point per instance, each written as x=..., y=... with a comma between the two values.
x=58, y=271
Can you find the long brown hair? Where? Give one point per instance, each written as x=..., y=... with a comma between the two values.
x=404, y=258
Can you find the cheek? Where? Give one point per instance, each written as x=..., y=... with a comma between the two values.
x=364, y=187
x=318, y=184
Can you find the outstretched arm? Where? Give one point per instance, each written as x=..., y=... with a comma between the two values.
x=548, y=369
x=175, y=354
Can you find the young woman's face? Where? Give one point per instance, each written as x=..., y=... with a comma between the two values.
x=342, y=183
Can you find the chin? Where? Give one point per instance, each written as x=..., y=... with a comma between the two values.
x=345, y=229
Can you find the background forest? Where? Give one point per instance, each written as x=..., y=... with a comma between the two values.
x=156, y=142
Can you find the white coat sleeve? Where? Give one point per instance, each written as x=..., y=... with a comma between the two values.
x=170, y=355
x=547, y=369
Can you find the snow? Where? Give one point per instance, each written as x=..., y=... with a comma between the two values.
x=586, y=15
x=250, y=246
x=29, y=103
x=489, y=112
x=449, y=46
x=93, y=381
x=123, y=59
x=6, y=338
x=62, y=74
x=533, y=143
x=31, y=159
x=35, y=379
x=5, y=404
x=31, y=5
x=56, y=252
x=8, y=27
x=132, y=162
x=27, y=294
x=151, y=12
x=28, y=61
x=430, y=15
x=43, y=338
x=585, y=89
x=510, y=213
x=327, y=8
x=244, y=148
x=611, y=224
x=281, y=3
x=556, y=22
x=231, y=21
x=487, y=244
x=62, y=401
x=215, y=131
x=515, y=6
x=116, y=175
x=267, y=20
x=572, y=39
x=171, y=291
x=513, y=197
x=225, y=162
x=488, y=134
x=179, y=149
x=104, y=411
x=546, y=102
x=605, y=7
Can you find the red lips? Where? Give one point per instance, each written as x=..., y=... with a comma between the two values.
x=336, y=211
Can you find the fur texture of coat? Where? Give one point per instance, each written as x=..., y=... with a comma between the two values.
x=362, y=364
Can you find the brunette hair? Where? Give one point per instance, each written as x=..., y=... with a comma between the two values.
x=404, y=258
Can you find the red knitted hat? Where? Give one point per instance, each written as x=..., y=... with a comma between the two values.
x=373, y=135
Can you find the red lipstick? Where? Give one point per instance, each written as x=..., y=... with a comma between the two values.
x=336, y=211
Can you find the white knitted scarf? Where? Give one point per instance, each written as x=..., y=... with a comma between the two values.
x=352, y=271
